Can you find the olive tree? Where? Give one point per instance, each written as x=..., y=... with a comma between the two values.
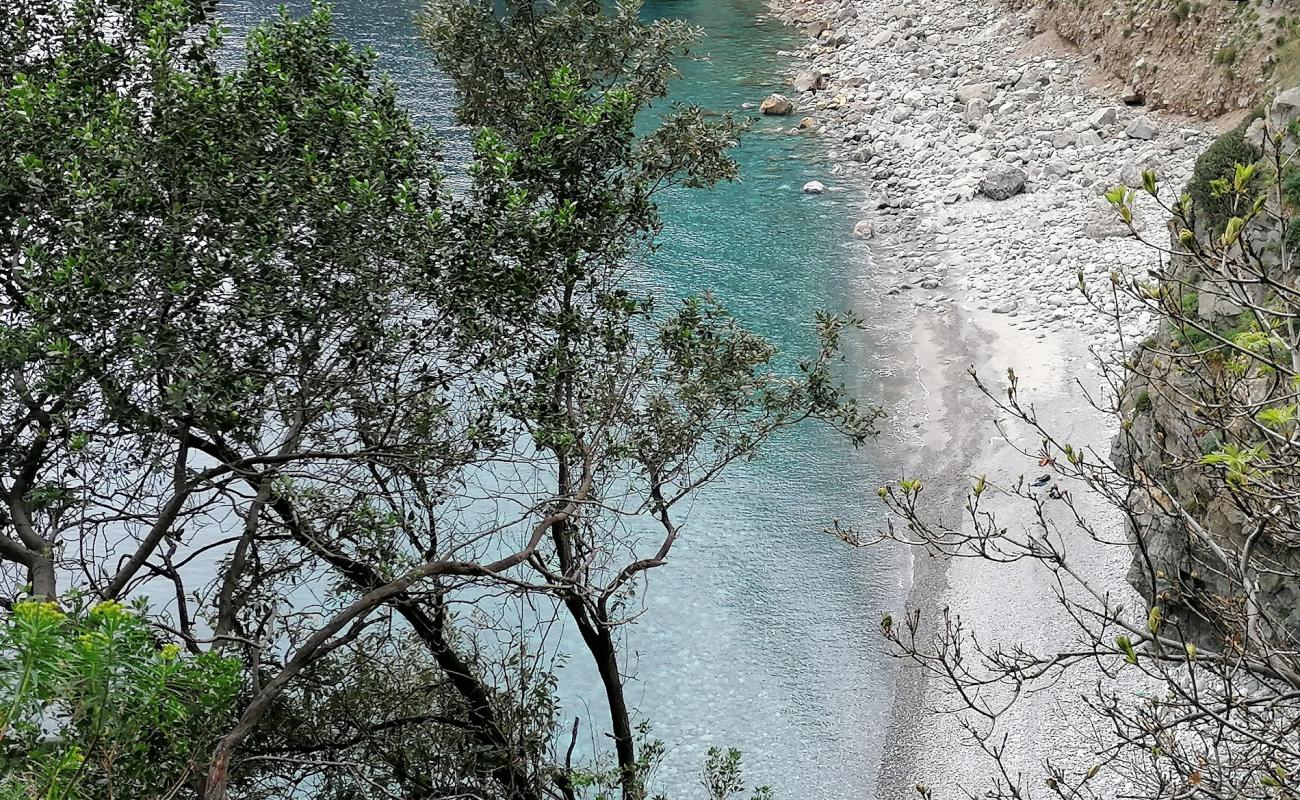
x=264, y=365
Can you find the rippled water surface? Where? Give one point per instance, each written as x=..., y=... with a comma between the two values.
x=760, y=632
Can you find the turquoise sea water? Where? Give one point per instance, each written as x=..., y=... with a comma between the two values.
x=760, y=633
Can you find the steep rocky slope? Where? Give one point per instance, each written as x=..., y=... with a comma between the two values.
x=1201, y=57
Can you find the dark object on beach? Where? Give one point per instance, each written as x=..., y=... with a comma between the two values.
x=1055, y=493
x=1042, y=480
x=1003, y=183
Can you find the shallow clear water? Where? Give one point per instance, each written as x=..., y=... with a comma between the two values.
x=760, y=633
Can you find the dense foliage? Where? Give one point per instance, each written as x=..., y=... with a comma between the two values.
x=1218, y=162
x=93, y=706
x=262, y=364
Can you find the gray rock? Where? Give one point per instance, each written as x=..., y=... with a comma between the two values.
x=1003, y=183
x=777, y=105
x=977, y=109
x=1005, y=308
x=972, y=91
x=864, y=229
x=1056, y=169
x=863, y=154
x=1140, y=129
x=814, y=187
x=1088, y=139
x=881, y=39
x=1102, y=117
x=808, y=80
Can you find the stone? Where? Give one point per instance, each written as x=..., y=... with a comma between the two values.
x=814, y=187
x=972, y=91
x=1140, y=128
x=977, y=109
x=1131, y=96
x=864, y=229
x=808, y=80
x=1005, y=308
x=777, y=105
x=1003, y=183
x=901, y=113
x=1088, y=139
x=881, y=39
x=863, y=154
x=1131, y=173
x=1056, y=169
x=1102, y=117
x=808, y=124
x=814, y=29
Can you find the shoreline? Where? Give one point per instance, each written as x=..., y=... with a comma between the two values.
x=988, y=284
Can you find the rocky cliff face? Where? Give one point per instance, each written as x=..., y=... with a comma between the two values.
x=1190, y=396
x=1200, y=57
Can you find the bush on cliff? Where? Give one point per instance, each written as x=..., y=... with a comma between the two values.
x=1219, y=161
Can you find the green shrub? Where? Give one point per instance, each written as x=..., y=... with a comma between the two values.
x=1220, y=161
x=1191, y=302
x=1143, y=401
x=1292, y=239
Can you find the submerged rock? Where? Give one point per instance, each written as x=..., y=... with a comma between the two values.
x=814, y=187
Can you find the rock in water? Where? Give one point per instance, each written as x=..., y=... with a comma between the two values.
x=777, y=105
x=864, y=229
x=1003, y=183
x=814, y=187
x=1140, y=129
x=807, y=80
x=808, y=124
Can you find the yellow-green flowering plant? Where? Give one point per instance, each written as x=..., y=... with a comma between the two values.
x=93, y=704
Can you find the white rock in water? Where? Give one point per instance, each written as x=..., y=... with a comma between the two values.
x=814, y=187
x=777, y=105
x=864, y=229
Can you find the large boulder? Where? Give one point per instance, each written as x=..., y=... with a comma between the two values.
x=1003, y=183
x=1141, y=129
x=777, y=105
x=808, y=80
x=1102, y=117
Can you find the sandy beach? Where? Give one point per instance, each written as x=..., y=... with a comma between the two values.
x=924, y=101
